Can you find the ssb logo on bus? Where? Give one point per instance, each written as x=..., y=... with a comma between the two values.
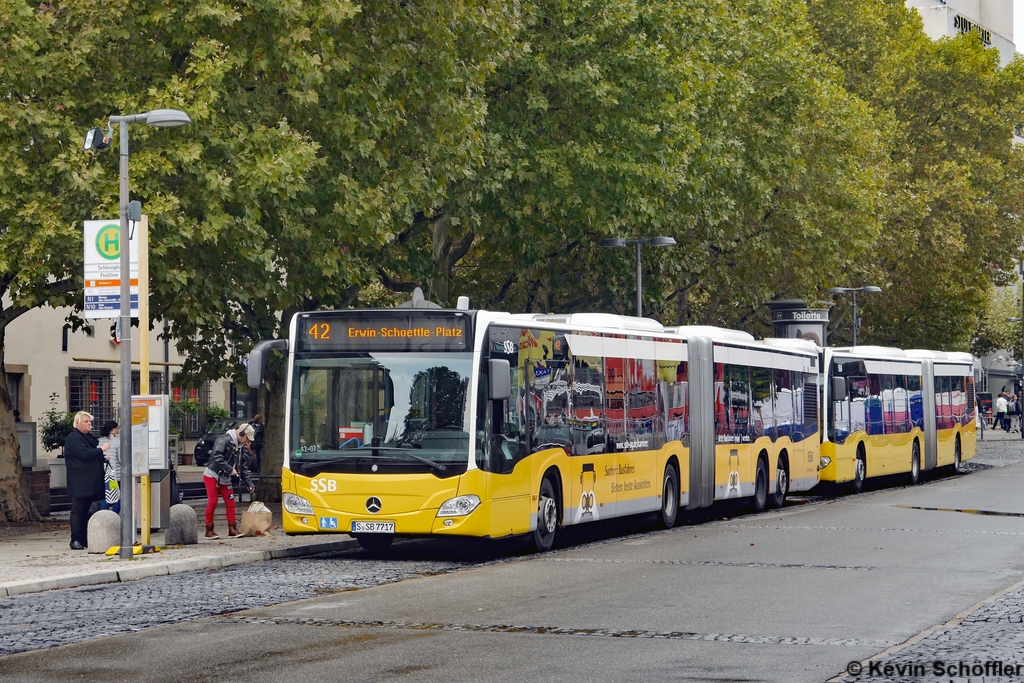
x=323, y=485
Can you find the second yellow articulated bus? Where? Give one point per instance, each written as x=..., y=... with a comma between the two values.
x=891, y=412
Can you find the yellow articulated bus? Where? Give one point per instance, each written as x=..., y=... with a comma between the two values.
x=896, y=412
x=425, y=421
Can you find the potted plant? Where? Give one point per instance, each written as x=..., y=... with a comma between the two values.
x=214, y=413
x=54, y=427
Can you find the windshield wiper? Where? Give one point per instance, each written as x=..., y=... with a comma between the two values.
x=311, y=466
x=405, y=451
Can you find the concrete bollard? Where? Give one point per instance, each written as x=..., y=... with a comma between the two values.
x=184, y=526
x=104, y=531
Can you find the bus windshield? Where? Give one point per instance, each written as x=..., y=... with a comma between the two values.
x=404, y=409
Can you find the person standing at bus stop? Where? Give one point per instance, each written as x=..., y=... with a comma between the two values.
x=83, y=458
x=227, y=459
x=1002, y=405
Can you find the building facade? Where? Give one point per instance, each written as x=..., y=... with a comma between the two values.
x=994, y=20
x=49, y=365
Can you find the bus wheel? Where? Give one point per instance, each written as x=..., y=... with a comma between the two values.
x=669, y=497
x=760, y=486
x=915, y=465
x=860, y=473
x=547, y=517
x=956, y=456
x=781, y=485
x=375, y=541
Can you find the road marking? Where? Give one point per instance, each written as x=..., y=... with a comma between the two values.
x=857, y=528
x=964, y=510
x=711, y=563
x=565, y=631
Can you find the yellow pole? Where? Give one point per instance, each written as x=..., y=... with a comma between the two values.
x=146, y=500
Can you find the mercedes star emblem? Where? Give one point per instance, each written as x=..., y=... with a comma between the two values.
x=373, y=505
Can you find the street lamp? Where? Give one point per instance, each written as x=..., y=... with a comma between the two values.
x=1020, y=320
x=158, y=118
x=614, y=242
x=869, y=289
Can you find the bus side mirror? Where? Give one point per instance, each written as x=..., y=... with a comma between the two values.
x=257, y=358
x=839, y=389
x=498, y=384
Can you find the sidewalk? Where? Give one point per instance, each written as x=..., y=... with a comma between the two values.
x=36, y=556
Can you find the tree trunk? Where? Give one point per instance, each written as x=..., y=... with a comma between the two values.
x=445, y=255
x=15, y=504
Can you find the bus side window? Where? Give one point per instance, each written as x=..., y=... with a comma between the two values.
x=503, y=423
x=587, y=424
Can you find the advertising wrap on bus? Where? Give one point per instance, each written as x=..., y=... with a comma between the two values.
x=385, y=332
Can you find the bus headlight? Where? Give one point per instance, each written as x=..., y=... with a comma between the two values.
x=459, y=506
x=297, y=505
x=825, y=462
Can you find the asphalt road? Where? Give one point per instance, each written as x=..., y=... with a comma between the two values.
x=794, y=595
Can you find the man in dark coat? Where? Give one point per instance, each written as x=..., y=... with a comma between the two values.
x=83, y=458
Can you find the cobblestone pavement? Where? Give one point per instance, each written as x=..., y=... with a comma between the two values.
x=41, y=620
x=979, y=646
x=984, y=646
x=992, y=632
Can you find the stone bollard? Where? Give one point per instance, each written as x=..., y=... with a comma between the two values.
x=184, y=526
x=104, y=531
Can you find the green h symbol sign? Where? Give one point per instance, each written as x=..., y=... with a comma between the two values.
x=108, y=242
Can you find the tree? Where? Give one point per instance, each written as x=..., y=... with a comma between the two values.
x=323, y=130
x=712, y=122
x=50, y=93
x=953, y=194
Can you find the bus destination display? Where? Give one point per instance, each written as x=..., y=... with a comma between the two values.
x=384, y=333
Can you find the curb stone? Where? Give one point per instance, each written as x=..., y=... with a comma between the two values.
x=171, y=567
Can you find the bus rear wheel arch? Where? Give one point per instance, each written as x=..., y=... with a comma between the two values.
x=669, y=495
x=860, y=469
x=761, y=483
x=548, y=513
x=778, y=498
x=915, y=463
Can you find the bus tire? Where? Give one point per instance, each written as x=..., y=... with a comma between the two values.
x=547, y=517
x=778, y=498
x=957, y=464
x=760, y=486
x=669, y=497
x=375, y=541
x=860, y=471
x=915, y=465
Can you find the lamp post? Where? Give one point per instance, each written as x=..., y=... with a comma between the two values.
x=1021, y=395
x=869, y=289
x=158, y=118
x=614, y=242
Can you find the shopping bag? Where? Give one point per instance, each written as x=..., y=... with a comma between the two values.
x=256, y=520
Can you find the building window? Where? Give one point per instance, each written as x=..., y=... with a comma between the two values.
x=156, y=383
x=192, y=423
x=93, y=392
x=14, y=389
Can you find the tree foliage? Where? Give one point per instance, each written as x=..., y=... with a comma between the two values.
x=715, y=123
x=343, y=153
x=953, y=195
